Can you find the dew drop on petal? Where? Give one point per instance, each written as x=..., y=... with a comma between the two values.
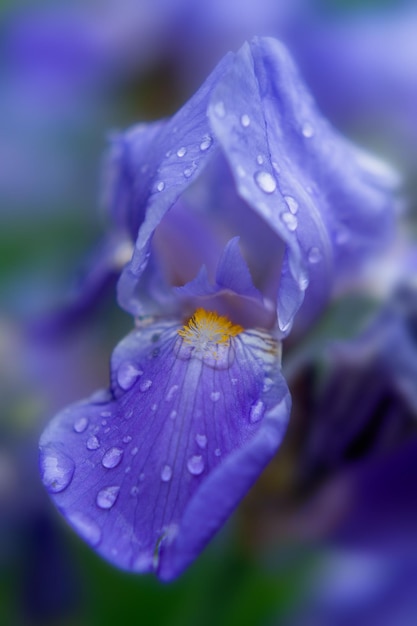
x=307, y=130
x=201, y=440
x=217, y=452
x=57, y=469
x=220, y=109
x=342, y=236
x=290, y=221
x=102, y=396
x=160, y=185
x=93, y=443
x=259, y=159
x=314, y=255
x=206, y=143
x=303, y=282
x=187, y=172
x=245, y=120
x=256, y=412
x=86, y=527
x=265, y=181
x=145, y=385
x=166, y=473
x=215, y=396
x=127, y=374
x=127, y=439
x=112, y=458
x=171, y=393
x=107, y=497
x=134, y=451
x=292, y=204
x=181, y=152
x=195, y=465
x=80, y=424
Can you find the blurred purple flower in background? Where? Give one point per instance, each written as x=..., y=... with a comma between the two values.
x=147, y=472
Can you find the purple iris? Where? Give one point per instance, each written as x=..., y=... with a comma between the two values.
x=244, y=206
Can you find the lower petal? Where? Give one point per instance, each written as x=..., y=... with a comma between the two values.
x=148, y=472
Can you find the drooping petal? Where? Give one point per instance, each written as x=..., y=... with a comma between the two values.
x=148, y=473
x=327, y=201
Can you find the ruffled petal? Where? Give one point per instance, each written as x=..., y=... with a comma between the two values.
x=148, y=473
x=327, y=201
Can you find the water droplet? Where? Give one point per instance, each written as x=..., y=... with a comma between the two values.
x=154, y=407
x=256, y=412
x=57, y=469
x=268, y=382
x=195, y=465
x=160, y=186
x=86, y=527
x=245, y=120
x=103, y=422
x=80, y=424
x=201, y=440
x=206, y=143
x=166, y=473
x=171, y=393
x=342, y=236
x=112, y=458
x=134, y=451
x=105, y=414
x=217, y=452
x=215, y=396
x=290, y=221
x=292, y=204
x=127, y=374
x=187, y=172
x=314, y=255
x=181, y=152
x=107, y=497
x=173, y=414
x=127, y=439
x=145, y=385
x=102, y=396
x=307, y=130
x=260, y=159
x=303, y=282
x=92, y=443
x=220, y=109
x=265, y=181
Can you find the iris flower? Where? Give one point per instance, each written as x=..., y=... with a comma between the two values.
x=244, y=208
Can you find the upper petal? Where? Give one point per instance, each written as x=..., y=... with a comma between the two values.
x=177, y=154
x=149, y=473
x=317, y=191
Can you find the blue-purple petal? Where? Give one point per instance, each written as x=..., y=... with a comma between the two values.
x=149, y=476
x=312, y=186
x=179, y=153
